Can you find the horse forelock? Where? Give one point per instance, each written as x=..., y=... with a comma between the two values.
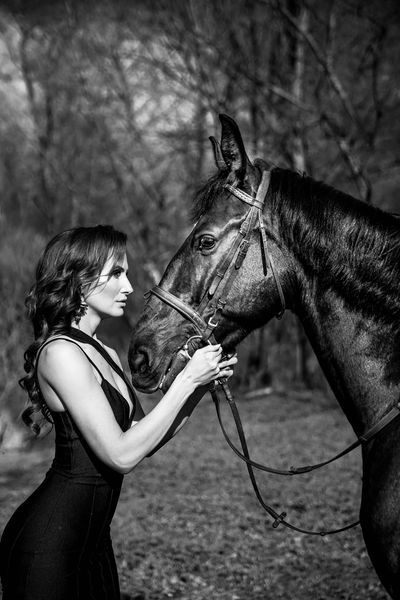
x=208, y=194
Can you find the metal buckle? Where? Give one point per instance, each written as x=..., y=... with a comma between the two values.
x=185, y=352
x=211, y=323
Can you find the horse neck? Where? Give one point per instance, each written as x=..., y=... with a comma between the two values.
x=357, y=347
x=354, y=354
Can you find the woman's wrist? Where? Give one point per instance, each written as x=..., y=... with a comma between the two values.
x=184, y=383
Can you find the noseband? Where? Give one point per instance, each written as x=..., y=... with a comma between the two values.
x=204, y=320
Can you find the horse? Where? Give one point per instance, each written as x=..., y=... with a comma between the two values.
x=267, y=240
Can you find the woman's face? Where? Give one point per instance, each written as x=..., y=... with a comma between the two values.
x=108, y=297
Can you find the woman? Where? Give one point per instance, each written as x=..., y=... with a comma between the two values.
x=57, y=544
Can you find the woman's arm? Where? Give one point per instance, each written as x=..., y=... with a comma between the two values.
x=182, y=417
x=66, y=374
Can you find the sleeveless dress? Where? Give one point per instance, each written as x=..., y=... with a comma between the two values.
x=57, y=544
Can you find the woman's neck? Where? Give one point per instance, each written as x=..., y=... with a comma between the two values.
x=88, y=324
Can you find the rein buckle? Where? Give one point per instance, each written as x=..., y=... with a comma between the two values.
x=211, y=323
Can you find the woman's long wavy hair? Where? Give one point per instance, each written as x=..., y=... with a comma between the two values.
x=69, y=266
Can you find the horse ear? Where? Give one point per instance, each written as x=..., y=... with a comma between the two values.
x=219, y=159
x=232, y=147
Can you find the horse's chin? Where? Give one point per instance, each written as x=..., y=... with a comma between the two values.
x=230, y=341
x=165, y=373
x=162, y=377
x=149, y=383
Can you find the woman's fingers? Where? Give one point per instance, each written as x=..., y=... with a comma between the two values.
x=225, y=368
x=226, y=363
x=221, y=365
x=212, y=348
x=209, y=365
x=225, y=373
x=215, y=352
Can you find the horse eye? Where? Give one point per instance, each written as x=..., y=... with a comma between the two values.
x=206, y=242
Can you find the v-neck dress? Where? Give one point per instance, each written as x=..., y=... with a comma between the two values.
x=57, y=545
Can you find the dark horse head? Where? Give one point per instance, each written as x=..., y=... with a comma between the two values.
x=252, y=298
x=331, y=252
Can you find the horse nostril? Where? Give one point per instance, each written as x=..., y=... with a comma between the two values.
x=139, y=362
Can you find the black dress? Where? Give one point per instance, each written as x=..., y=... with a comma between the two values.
x=57, y=545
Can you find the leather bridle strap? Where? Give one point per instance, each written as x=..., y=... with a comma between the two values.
x=278, y=518
x=393, y=414
x=240, y=244
x=259, y=203
x=205, y=328
x=184, y=309
x=227, y=270
x=268, y=257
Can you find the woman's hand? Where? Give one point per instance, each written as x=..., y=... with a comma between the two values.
x=206, y=365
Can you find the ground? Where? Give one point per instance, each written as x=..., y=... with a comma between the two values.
x=188, y=526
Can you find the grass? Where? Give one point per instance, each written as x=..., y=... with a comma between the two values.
x=188, y=526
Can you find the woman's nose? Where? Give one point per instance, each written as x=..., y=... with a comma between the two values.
x=127, y=288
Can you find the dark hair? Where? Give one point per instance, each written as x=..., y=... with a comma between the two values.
x=71, y=262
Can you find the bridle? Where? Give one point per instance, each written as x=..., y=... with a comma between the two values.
x=204, y=320
x=214, y=299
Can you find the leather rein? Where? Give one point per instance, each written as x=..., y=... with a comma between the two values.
x=213, y=303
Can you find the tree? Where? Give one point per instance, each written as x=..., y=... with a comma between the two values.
x=106, y=109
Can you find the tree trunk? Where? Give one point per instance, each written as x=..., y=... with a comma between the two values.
x=299, y=162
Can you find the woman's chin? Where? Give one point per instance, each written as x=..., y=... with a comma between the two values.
x=118, y=311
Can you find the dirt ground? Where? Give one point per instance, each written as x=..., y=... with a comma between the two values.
x=188, y=526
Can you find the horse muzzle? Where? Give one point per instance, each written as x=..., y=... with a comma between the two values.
x=144, y=377
x=149, y=380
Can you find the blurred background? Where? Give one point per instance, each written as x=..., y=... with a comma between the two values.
x=105, y=112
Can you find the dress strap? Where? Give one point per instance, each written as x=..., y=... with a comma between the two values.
x=80, y=336
x=72, y=342
x=137, y=412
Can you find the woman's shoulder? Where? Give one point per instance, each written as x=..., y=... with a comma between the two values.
x=58, y=351
x=65, y=365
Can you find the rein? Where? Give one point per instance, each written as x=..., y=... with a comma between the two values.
x=213, y=303
x=251, y=465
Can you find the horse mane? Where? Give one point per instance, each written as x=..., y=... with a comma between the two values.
x=350, y=246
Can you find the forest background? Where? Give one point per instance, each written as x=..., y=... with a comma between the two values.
x=105, y=112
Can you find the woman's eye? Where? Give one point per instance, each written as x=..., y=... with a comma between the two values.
x=206, y=242
x=117, y=273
